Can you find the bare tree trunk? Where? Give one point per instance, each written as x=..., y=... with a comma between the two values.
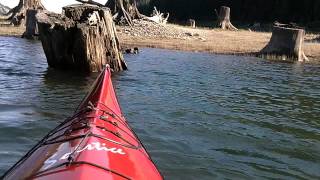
x=82, y=39
x=224, y=19
x=18, y=13
x=31, y=24
x=124, y=11
x=285, y=44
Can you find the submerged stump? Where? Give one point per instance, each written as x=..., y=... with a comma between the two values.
x=83, y=38
x=285, y=44
x=224, y=19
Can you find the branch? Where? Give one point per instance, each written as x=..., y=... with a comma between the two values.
x=90, y=2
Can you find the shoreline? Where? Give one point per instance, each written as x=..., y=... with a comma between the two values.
x=214, y=41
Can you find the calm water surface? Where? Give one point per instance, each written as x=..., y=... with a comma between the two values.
x=200, y=116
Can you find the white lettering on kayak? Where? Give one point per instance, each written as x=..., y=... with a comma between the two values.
x=96, y=146
x=89, y=147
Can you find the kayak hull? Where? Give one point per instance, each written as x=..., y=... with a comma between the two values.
x=95, y=143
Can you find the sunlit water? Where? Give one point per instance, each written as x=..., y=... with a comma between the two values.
x=201, y=116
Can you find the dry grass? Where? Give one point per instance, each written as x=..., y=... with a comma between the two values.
x=312, y=51
x=11, y=31
x=216, y=41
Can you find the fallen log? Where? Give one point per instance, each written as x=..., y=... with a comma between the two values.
x=83, y=38
x=285, y=44
x=224, y=19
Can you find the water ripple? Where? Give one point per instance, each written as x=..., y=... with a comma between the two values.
x=201, y=116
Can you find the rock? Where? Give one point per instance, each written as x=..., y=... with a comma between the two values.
x=142, y=28
x=134, y=50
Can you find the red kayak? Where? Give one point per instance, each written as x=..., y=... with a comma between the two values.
x=95, y=143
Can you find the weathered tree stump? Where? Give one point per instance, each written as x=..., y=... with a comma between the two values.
x=83, y=38
x=285, y=44
x=192, y=23
x=224, y=19
x=31, y=24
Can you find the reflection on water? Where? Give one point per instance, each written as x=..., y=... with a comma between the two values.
x=201, y=116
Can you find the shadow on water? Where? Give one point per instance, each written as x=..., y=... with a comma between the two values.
x=76, y=79
x=62, y=91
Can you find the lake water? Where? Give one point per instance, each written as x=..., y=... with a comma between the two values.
x=201, y=116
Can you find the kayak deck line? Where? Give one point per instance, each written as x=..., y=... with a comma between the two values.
x=83, y=137
x=89, y=125
x=39, y=174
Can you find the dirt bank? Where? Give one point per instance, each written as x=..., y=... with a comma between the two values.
x=176, y=37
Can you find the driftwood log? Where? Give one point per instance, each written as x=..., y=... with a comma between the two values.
x=158, y=17
x=286, y=44
x=83, y=38
x=224, y=19
x=192, y=23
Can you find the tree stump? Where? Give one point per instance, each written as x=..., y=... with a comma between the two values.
x=224, y=19
x=83, y=38
x=31, y=24
x=285, y=44
x=192, y=23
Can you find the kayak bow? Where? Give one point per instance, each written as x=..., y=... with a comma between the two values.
x=95, y=143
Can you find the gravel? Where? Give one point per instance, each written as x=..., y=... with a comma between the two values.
x=142, y=28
